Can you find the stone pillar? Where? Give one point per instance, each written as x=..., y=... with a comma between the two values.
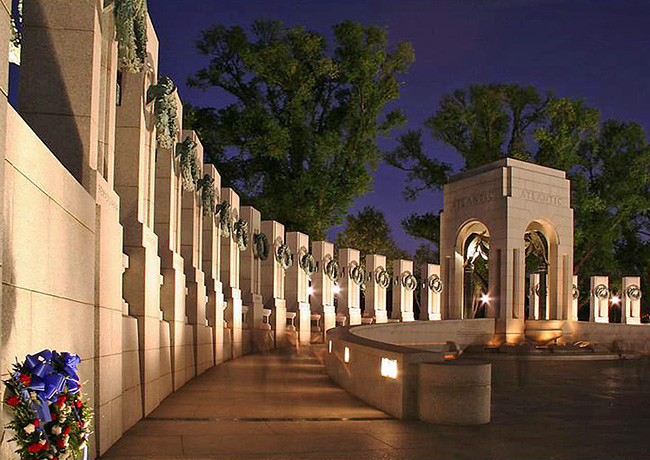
x=273, y=279
x=67, y=96
x=431, y=293
x=211, y=267
x=631, y=298
x=375, y=292
x=575, y=296
x=349, y=304
x=599, y=299
x=251, y=284
x=402, y=295
x=173, y=291
x=6, y=451
x=192, y=252
x=533, y=298
x=135, y=173
x=230, y=260
x=298, y=285
x=323, y=298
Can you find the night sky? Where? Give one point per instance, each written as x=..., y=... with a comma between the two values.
x=596, y=50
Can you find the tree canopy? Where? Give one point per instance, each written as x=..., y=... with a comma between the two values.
x=369, y=232
x=608, y=163
x=299, y=138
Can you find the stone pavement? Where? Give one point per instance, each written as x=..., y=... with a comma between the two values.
x=283, y=405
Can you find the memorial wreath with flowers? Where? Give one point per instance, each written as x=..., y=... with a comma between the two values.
x=51, y=420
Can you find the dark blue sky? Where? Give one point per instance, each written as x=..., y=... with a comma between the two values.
x=598, y=50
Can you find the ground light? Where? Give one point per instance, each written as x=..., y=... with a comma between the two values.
x=346, y=355
x=389, y=368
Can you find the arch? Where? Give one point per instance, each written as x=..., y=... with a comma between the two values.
x=475, y=269
x=542, y=281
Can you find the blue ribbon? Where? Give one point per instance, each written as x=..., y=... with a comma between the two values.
x=51, y=373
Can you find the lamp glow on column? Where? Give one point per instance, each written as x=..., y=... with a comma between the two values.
x=389, y=368
x=346, y=355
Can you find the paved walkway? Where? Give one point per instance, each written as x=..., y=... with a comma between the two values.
x=284, y=406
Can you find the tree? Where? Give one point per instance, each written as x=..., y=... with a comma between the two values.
x=369, y=232
x=608, y=164
x=300, y=136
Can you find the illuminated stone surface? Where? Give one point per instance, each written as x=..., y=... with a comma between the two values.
x=540, y=410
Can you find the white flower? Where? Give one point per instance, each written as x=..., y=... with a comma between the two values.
x=29, y=429
x=33, y=396
x=56, y=429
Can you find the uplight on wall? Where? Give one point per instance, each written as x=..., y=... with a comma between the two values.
x=346, y=355
x=329, y=347
x=389, y=368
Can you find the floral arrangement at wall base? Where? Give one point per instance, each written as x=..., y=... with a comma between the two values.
x=51, y=419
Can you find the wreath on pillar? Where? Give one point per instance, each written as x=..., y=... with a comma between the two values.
x=308, y=263
x=575, y=292
x=260, y=246
x=382, y=277
x=51, y=418
x=164, y=112
x=409, y=281
x=240, y=234
x=601, y=292
x=284, y=256
x=189, y=165
x=224, y=218
x=633, y=292
x=333, y=270
x=208, y=194
x=435, y=284
x=358, y=275
x=131, y=33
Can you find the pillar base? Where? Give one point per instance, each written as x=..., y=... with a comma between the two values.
x=381, y=316
x=355, y=316
x=304, y=323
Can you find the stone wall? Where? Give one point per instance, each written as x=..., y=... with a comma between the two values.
x=49, y=259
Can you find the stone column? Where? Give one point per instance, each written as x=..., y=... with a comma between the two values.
x=533, y=298
x=631, y=298
x=192, y=252
x=211, y=268
x=323, y=298
x=273, y=279
x=349, y=304
x=375, y=293
x=173, y=291
x=599, y=299
x=67, y=96
x=402, y=296
x=6, y=451
x=575, y=296
x=298, y=285
x=135, y=173
x=230, y=259
x=251, y=285
x=431, y=292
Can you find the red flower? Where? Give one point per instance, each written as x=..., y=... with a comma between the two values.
x=37, y=447
x=60, y=443
x=37, y=421
x=13, y=401
x=66, y=430
x=78, y=404
x=53, y=414
x=25, y=379
x=61, y=401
